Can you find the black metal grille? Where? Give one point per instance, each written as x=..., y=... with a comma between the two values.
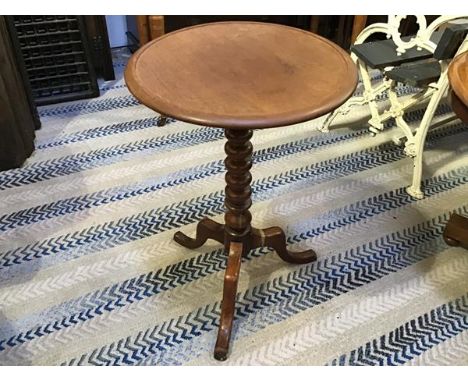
x=55, y=54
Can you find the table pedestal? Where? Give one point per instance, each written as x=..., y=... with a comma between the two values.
x=236, y=234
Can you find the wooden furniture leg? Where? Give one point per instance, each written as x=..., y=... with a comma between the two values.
x=456, y=231
x=231, y=278
x=206, y=229
x=162, y=120
x=275, y=238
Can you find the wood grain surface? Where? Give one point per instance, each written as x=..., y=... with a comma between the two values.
x=241, y=75
x=458, y=77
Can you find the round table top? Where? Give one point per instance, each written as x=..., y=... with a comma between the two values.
x=458, y=77
x=241, y=75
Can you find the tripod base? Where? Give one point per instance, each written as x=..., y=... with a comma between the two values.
x=272, y=237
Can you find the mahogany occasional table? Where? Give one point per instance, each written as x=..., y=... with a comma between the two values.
x=240, y=76
x=456, y=230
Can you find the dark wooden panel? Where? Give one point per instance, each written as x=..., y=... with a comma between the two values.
x=380, y=54
x=57, y=57
x=16, y=117
x=24, y=75
x=173, y=23
x=99, y=46
x=417, y=74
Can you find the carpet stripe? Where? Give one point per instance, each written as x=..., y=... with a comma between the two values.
x=412, y=338
x=71, y=205
x=80, y=108
x=101, y=131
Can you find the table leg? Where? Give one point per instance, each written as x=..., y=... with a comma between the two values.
x=231, y=277
x=275, y=238
x=162, y=120
x=237, y=234
x=206, y=229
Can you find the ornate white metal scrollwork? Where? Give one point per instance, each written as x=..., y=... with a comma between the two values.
x=394, y=32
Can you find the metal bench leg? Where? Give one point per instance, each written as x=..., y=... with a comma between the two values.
x=369, y=97
x=420, y=138
x=343, y=110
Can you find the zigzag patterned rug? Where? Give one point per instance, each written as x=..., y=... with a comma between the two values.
x=89, y=274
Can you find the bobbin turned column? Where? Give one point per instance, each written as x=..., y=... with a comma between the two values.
x=238, y=163
x=237, y=229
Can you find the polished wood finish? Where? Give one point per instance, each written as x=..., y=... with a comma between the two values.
x=149, y=28
x=206, y=229
x=359, y=23
x=156, y=26
x=458, y=77
x=456, y=230
x=241, y=75
x=143, y=29
x=458, y=107
x=237, y=200
x=272, y=237
x=231, y=278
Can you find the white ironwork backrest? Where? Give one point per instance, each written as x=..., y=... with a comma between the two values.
x=420, y=40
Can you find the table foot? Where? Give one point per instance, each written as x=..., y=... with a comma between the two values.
x=161, y=121
x=231, y=278
x=206, y=229
x=275, y=238
x=456, y=231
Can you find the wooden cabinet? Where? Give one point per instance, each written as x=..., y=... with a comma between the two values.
x=149, y=28
x=341, y=29
x=18, y=115
x=99, y=46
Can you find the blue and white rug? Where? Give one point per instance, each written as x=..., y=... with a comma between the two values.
x=90, y=275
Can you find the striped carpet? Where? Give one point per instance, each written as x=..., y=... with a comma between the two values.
x=89, y=274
